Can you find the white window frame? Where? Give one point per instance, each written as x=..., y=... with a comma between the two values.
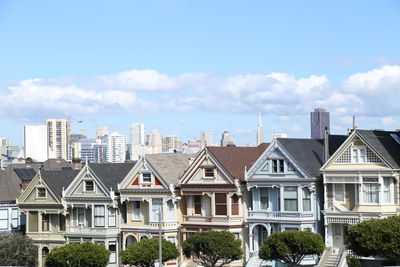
x=142, y=178
x=304, y=198
x=86, y=181
x=358, y=154
x=112, y=218
x=134, y=209
x=171, y=239
x=154, y=212
x=2, y=219
x=14, y=218
x=279, y=163
x=208, y=177
x=80, y=221
x=366, y=191
x=99, y=216
x=113, y=254
x=37, y=192
x=261, y=197
x=387, y=192
x=336, y=189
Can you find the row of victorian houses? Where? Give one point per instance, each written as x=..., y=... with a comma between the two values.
x=290, y=184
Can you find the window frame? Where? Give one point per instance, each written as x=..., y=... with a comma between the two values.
x=207, y=171
x=336, y=189
x=38, y=192
x=5, y=218
x=285, y=198
x=142, y=178
x=221, y=204
x=14, y=225
x=357, y=156
x=111, y=216
x=197, y=205
x=266, y=197
x=86, y=186
x=113, y=254
x=45, y=215
x=307, y=198
x=134, y=211
x=101, y=216
x=278, y=166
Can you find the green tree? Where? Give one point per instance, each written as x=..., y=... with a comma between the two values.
x=146, y=252
x=78, y=255
x=213, y=247
x=291, y=247
x=378, y=237
x=17, y=250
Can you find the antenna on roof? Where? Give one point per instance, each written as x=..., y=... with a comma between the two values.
x=354, y=122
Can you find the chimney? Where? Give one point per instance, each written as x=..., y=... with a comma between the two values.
x=76, y=164
x=326, y=144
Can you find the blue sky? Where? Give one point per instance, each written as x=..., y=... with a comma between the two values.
x=187, y=66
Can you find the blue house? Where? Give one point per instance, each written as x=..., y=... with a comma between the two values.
x=285, y=192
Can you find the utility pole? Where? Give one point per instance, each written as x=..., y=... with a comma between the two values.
x=159, y=237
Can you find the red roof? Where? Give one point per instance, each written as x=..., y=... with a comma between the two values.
x=234, y=159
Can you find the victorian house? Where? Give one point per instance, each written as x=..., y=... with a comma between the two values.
x=361, y=182
x=150, y=200
x=213, y=192
x=285, y=192
x=42, y=204
x=91, y=204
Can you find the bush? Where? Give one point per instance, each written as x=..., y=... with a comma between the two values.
x=353, y=261
x=17, y=250
x=76, y=255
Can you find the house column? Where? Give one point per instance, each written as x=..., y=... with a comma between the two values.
x=213, y=204
x=380, y=181
x=360, y=192
x=282, y=201
x=229, y=204
x=93, y=222
x=326, y=196
x=299, y=198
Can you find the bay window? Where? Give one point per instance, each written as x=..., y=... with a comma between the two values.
x=136, y=210
x=197, y=204
x=264, y=198
x=371, y=193
x=306, y=199
x=99, y=216
x=112, y=214
x=156, y=208
x=387, y=195
x=290, y=198
x=220, y=204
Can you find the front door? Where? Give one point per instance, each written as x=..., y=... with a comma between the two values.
x=338, y=236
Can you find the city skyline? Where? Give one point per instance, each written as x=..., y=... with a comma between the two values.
x=181, y=74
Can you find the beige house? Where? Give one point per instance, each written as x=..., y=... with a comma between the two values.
x=148, y=189
x=45, y=211
x=361, y=181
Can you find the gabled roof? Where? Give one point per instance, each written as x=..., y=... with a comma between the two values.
x=170, y=166
x=236, y=159
x=384, y=144
x=57, y=180
x=111, y=174
x=307, y=153
x=335, y=141
x=10, y=182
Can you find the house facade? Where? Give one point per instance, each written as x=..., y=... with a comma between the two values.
x=213, y=193
x=283, y=185
x=361, y=182
x=149, y=196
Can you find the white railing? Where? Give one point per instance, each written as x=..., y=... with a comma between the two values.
x=342, y=220
x=90, y=230
x=164, y=224
x=210, y=219
x=281, y=214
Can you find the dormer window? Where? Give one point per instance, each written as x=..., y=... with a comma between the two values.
x=146, y=177
x=358, y=154
x=278, y=166
x=209, y=173
x=89, y=186
x=41, y=192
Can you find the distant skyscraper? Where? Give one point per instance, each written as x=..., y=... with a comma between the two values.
x=260, y=134
x=137, y=134
x=226, y=139
x=36, y=142
x=170, y=143
x=155, y=141
x=206, y=138
x=319, y=119
x=116, y=148
x=58, y=130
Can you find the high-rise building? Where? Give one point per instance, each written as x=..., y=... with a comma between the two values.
x=137, y=134
x=206, y=138
x=4, y=142
x=36, y=142
x=319, y=120
x=116, y=148
x=102, y=131
x=226, y=139
x=58, y=131
x=171, y=143
x=260, y=134
x=100, y=150
x=155, y=142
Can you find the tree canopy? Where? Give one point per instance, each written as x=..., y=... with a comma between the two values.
x=145, y=252
x=17, y=250
x=377, y=237
x=291, y=247
x=213, y=248
x=77, y=255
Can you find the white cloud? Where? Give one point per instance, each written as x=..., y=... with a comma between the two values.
x=389, y=122
x=296, y=128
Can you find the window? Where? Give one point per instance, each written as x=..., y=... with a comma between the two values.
x=220, y=204
x=197, y=204
x=171, y=239
x=81, y=216
x=89, y=186
x=278, y=166
x=112, y=217
x=14, y=218
x=62, y=222
x=136, y=210
x=339, y=193
x=155, y=208
x=99, y=218
x=41, y=192
x=4, y=219
x=170, y=211
x=306, y=199
x=113, y=249
x=235, y=205
x=264, y=198
x=146, y=177
x=33, y=221
x=45, y=222
x=371, y=193
x=290, y=198
x=209, y=172
x=358, y=154
x=387, y=195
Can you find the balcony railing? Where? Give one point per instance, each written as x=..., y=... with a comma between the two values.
x=90, y=230
x=212, y=220
x=278, y=215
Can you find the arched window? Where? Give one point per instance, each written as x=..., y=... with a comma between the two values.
x=45, y=252
x=143, y=237
x=235, y=204
x=130, y=240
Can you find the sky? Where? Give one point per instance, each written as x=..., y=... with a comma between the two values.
x=186, y=66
